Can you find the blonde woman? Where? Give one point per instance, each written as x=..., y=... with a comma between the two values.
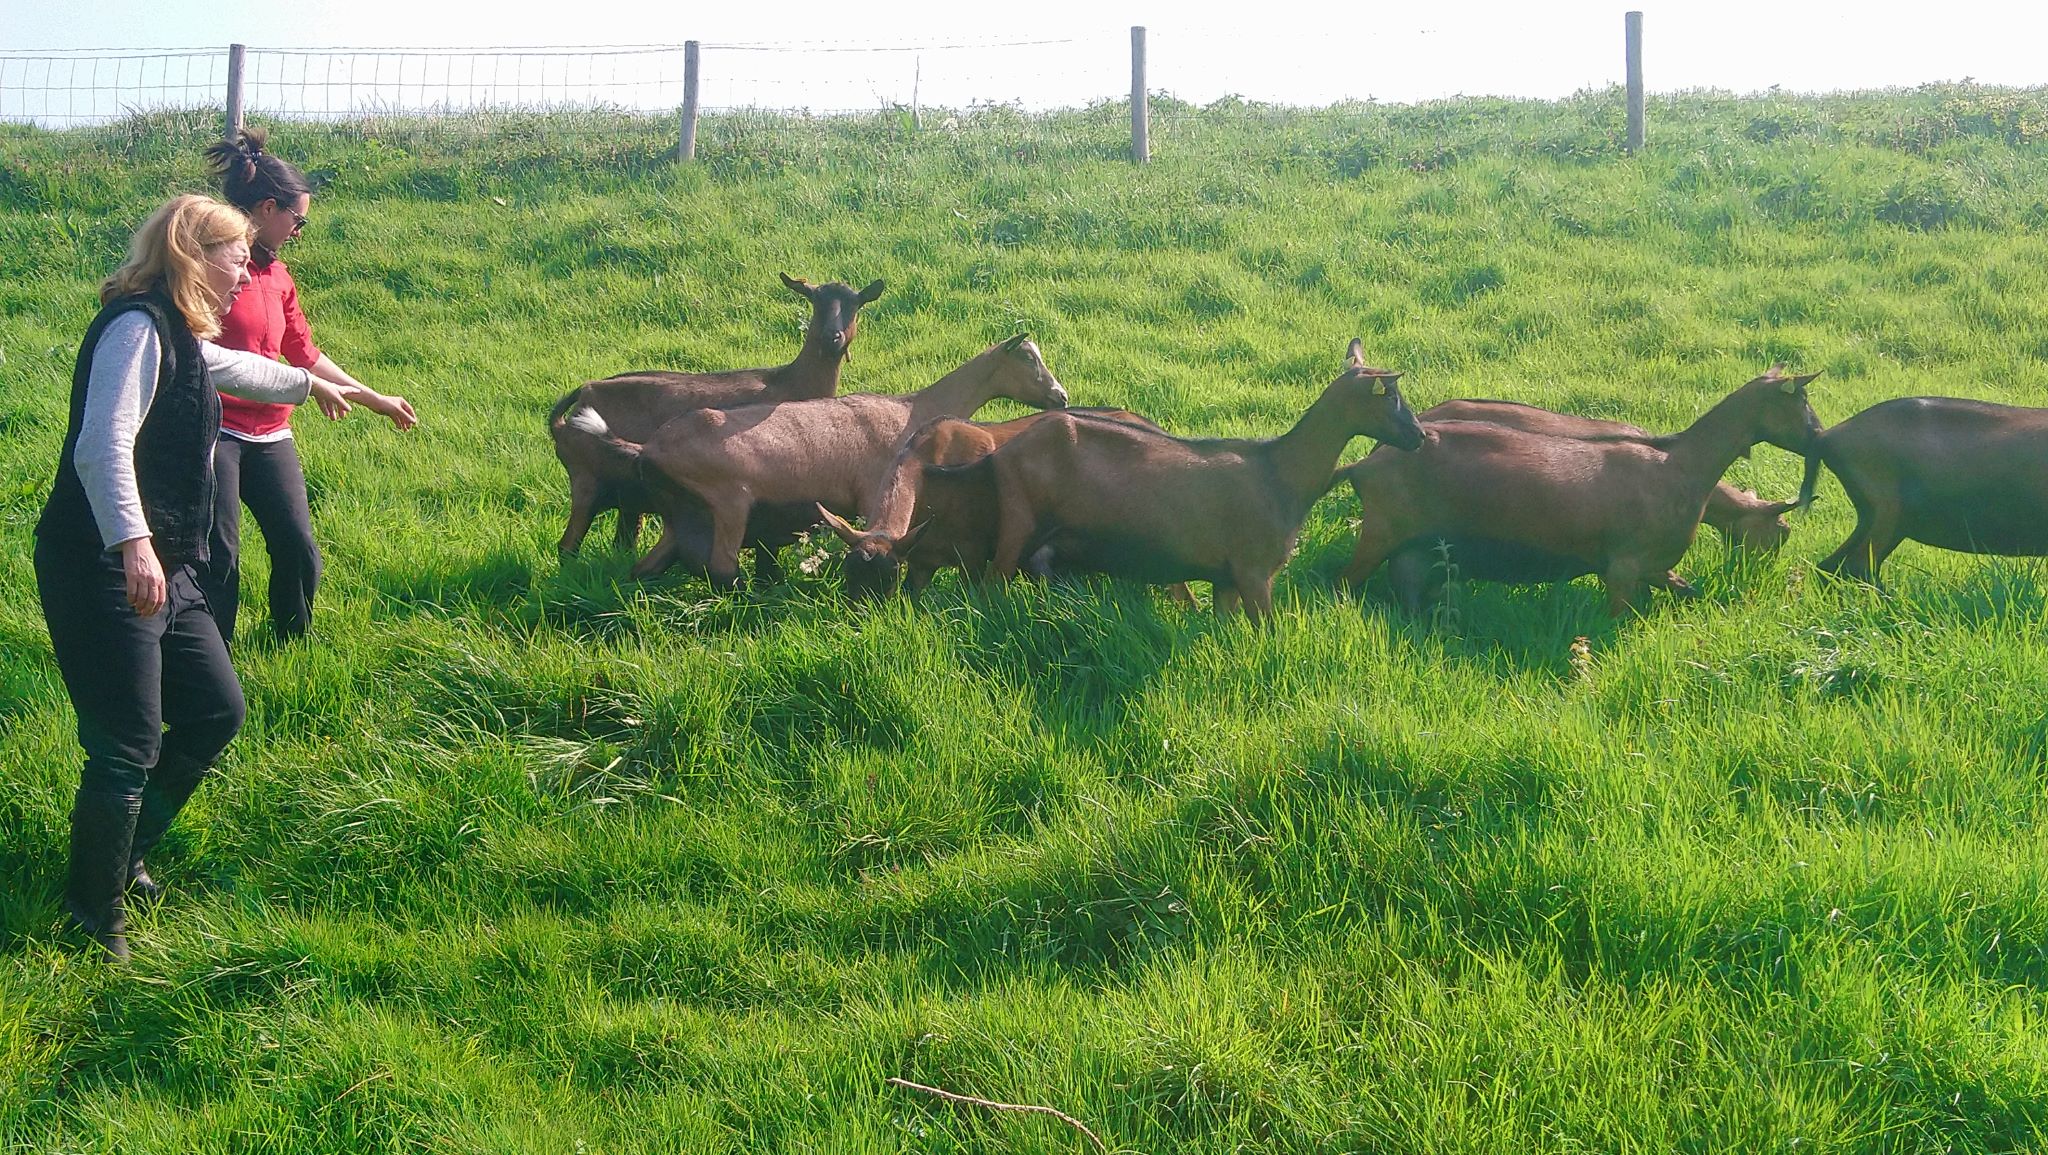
x=126, y=522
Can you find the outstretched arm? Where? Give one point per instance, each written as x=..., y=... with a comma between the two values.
x=355, y=391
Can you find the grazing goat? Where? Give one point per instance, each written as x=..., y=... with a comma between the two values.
x=1956, y=474
x=1141, y=505
x=1534, y=507
x=633, y=405
x=925, y=518
x=832, y=451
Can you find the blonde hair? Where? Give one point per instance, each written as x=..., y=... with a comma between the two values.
x=171, y=249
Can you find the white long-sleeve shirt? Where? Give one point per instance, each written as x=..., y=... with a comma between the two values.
x=118, y=393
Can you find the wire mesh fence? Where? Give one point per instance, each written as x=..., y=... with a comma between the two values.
x=81, y=89
x=61, y=90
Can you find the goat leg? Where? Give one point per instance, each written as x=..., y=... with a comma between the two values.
x=1626, y=585
x=627, y=536
x=1014, y=526
x=1413, y=574
x=728, y=531
x=1224, y=597
x=1873, y=540
x=1373, y=547
x=662, y=556
x=1257, y=590
x=583, y=495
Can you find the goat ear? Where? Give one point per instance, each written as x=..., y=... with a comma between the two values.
x=838, y=524
x=1790, y=385
x=797, y=285
x=871, y=292
x=1355, y=355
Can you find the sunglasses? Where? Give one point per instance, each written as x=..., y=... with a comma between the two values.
x=298, y=221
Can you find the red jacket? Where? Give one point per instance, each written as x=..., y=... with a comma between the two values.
x=266, y=319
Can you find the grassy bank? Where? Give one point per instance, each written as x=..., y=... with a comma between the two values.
x=519, y=856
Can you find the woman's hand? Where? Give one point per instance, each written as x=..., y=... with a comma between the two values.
x=391, y=406
x=145, y=574
x=331, y=398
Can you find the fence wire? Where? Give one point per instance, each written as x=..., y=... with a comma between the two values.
x=84, y=89
x=76, y=89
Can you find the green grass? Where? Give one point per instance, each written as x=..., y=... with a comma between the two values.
x=519, y=856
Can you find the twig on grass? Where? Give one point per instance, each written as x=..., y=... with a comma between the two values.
x=992, y=1105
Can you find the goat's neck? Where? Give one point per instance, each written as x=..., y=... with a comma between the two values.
x=957, y=394
x=1705, y=449
x=815, y=365
x=1303, y=456
x=894, y=498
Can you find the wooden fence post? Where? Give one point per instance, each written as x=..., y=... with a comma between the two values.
x=233, y=123
x=686, y=148
x=1141, y=113
x=1632, y=24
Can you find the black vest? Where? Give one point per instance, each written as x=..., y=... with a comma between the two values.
x=173, y=449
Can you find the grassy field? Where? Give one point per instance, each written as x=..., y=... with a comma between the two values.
x=518, y=856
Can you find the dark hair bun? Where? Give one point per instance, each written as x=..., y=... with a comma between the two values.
x=249, y=176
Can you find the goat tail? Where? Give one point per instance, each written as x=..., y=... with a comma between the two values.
x=1811, y=481
x=563, y=406
x=591, y=423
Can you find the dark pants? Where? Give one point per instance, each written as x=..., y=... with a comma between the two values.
x=265, y=476
x=148, y=691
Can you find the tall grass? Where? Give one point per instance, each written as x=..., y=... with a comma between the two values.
x=516, y=855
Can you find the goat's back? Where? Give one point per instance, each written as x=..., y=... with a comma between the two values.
x=634, y=405
x=831, y=450
x=1123, y=494
x=1560, y=495
x=1529, y=418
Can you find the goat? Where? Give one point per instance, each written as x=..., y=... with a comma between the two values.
x=1145, y=506
x=831, y=451
x=1739, y=515
x=1956, y=474
x=633, y=405
x=925, y=518
x=1744, y=519
x=1547, y=508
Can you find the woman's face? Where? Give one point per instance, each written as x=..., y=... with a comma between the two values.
x=227, y=272
x=279, y=221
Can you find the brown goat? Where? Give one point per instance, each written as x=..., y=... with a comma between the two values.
x=633, y=405
x=1152, y=508
x=1739, y=515
x=925, y=518
x=1539, y=507
x=832, y=451
x=1956, y=474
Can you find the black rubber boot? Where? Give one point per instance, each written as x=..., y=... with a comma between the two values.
x=170, y=786
x=102, y=837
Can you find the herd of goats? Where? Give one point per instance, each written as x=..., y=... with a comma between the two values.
x=757, y=457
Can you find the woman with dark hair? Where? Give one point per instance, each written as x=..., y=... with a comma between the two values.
x=125, y=526
x=255, y=461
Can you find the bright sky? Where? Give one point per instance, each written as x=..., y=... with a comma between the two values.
x=1290, y=52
